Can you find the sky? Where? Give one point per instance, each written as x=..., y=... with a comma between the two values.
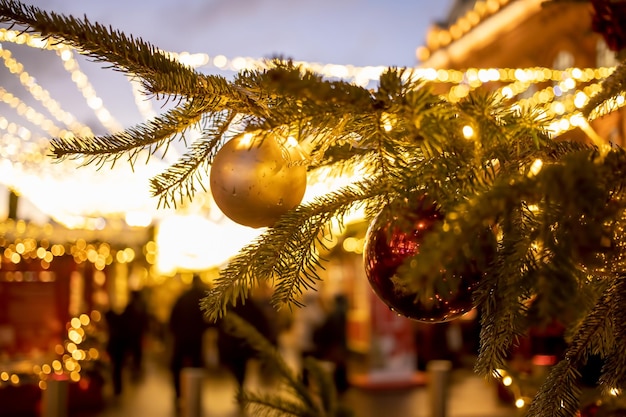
x=357, y=32
x=351, y=32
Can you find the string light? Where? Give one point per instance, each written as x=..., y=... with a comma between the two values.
x=70, y=355
x=70, y=64
x=32, y=115
x=439, y=37
x=84, y=86
x=42, y=95
x=566, y=93
x=18, y=243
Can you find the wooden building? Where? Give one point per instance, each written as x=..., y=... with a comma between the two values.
x=527, y=34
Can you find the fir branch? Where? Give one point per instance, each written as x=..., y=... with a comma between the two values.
x=294, y=85
x=323, y=380
x=561, y=181
x=285, y=252
x=178, y=182
x=604, y=101
x=559, y=393
x=151, y=135
x=306, y=405
x=274, y=406
x=614, y=370
x=502, y=309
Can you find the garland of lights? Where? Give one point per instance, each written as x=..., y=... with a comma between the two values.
x=70, y=356
x=561, y=100
x=73, y=351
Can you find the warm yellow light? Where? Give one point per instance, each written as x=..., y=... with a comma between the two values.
x=520, y=403
x=57, y=250
x=246, y=140
x=95, y=315
x=422, y=53
x=129, y=254
x=387, y=121
x=138, y=219
x=580, y=99
x=220, y=61
x=84, y=319
x=65, y=55
x=351, y=244
x=535, y=168
x=568, y=84
x=468, y=132
x=507, y=381
x=195, y=243
x=74, y=336
x=558, y=107
x=93, y=353
x=70, y=365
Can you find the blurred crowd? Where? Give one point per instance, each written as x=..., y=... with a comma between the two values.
x=318, y=330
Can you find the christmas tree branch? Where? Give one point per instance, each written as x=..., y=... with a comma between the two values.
x=322, y=380
x=502, y=309
x=286, y=252
x=614, y=370
x=271, y=406
x=153, y=135
x=604, y=102
x=559, y=393
x=302, y=402
x=576, y=220
x=178, y=181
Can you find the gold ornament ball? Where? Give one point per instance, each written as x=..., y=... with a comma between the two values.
x=254, y=180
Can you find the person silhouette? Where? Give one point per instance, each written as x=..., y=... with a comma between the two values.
x=330, y=340
x=187, y=325
x=116, y=347
x=136, y=318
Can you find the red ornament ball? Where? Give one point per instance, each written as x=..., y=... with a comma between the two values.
x=389, y=242
x=590, y=410
x=609, y=20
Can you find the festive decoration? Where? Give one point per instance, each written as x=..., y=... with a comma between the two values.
x=600, y=408
x=390, y=242
x=255, y=180
x=590, y=410
x=609, y=18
